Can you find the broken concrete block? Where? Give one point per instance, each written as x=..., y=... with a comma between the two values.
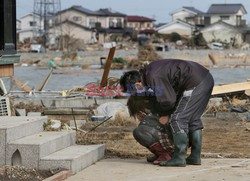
x=56, y=124
x=21, y=112
x=215, y=102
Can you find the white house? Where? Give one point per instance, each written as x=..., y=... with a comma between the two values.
x=229, y=13
x=30, y=26
x=190, y=15
x=223, y=32
x=178, y=26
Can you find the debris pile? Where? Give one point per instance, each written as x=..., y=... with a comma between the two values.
x=146, y=54
x=31, y=107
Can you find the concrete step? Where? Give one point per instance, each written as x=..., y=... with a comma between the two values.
x=73, y=158
x=13, y=128
x=27, y=151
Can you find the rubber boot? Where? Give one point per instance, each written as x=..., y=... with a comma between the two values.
x=158, y=150
x=179, y=158
x=196, y=141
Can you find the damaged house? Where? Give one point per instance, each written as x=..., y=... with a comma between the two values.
x=222, y=22
x=225, y=23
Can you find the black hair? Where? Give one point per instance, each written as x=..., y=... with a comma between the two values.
x=129, y=79
x=137, y=104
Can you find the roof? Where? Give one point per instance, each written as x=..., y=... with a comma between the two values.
x=189, y=9
x=226, y=9
x=85, y=11
x=100, y=12
x=110, y=12
x=193, y=9
x=139, y=19
x=175, y=22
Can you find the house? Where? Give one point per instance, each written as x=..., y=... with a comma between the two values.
x=223, y=32
x=189, y=15
x=104, y=18
x=140, y=24
x=89, y=25
x=177, y=26
x=229, y=13
x=30, y=26
x=184, y=21
x=187, y=19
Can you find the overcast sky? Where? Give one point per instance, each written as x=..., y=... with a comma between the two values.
x=157, y=9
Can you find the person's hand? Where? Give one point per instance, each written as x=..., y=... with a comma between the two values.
x=164, y=120
x=140, y=115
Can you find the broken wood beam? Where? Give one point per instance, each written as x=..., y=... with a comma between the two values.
x=21, y=84
x=107, y=67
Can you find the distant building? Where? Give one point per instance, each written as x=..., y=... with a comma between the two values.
x=29, y=26
x=223, y=32
x=227, y=18
x=89, y=25
x=229, y=13
x=141, y=24
x=189, y=15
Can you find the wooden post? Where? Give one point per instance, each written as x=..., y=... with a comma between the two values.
x=107, y=67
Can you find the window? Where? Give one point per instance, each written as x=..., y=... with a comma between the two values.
x=238, y=20
x=119, y=23
x=77, y=18
x=33, y=23
x=224, y=17
x=112, y=22
x=149, y=25
x=92, y=23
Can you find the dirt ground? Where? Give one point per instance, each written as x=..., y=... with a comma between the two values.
x=20, y=173
x=221, y=139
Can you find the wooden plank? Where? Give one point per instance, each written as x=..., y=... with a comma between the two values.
x=107, y=67
x=230, y=88
x=6, y=70
x=22, y=85
x=44, y=82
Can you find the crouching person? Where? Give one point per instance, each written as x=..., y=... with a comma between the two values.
x=150, y=133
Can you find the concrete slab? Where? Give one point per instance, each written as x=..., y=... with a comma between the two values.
x=34, y=114
x=36, y=146
x=139, y=170
x=73, y=158
x=13, y=128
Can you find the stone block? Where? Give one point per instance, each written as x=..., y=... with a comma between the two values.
x=74, y=158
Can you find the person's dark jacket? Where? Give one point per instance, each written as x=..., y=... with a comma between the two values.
x=169, y=78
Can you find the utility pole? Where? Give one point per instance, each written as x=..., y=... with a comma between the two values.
x=45, y=12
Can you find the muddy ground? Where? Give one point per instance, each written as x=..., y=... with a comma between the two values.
x=222, y=138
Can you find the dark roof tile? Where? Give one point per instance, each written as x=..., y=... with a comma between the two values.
x=225, y=8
